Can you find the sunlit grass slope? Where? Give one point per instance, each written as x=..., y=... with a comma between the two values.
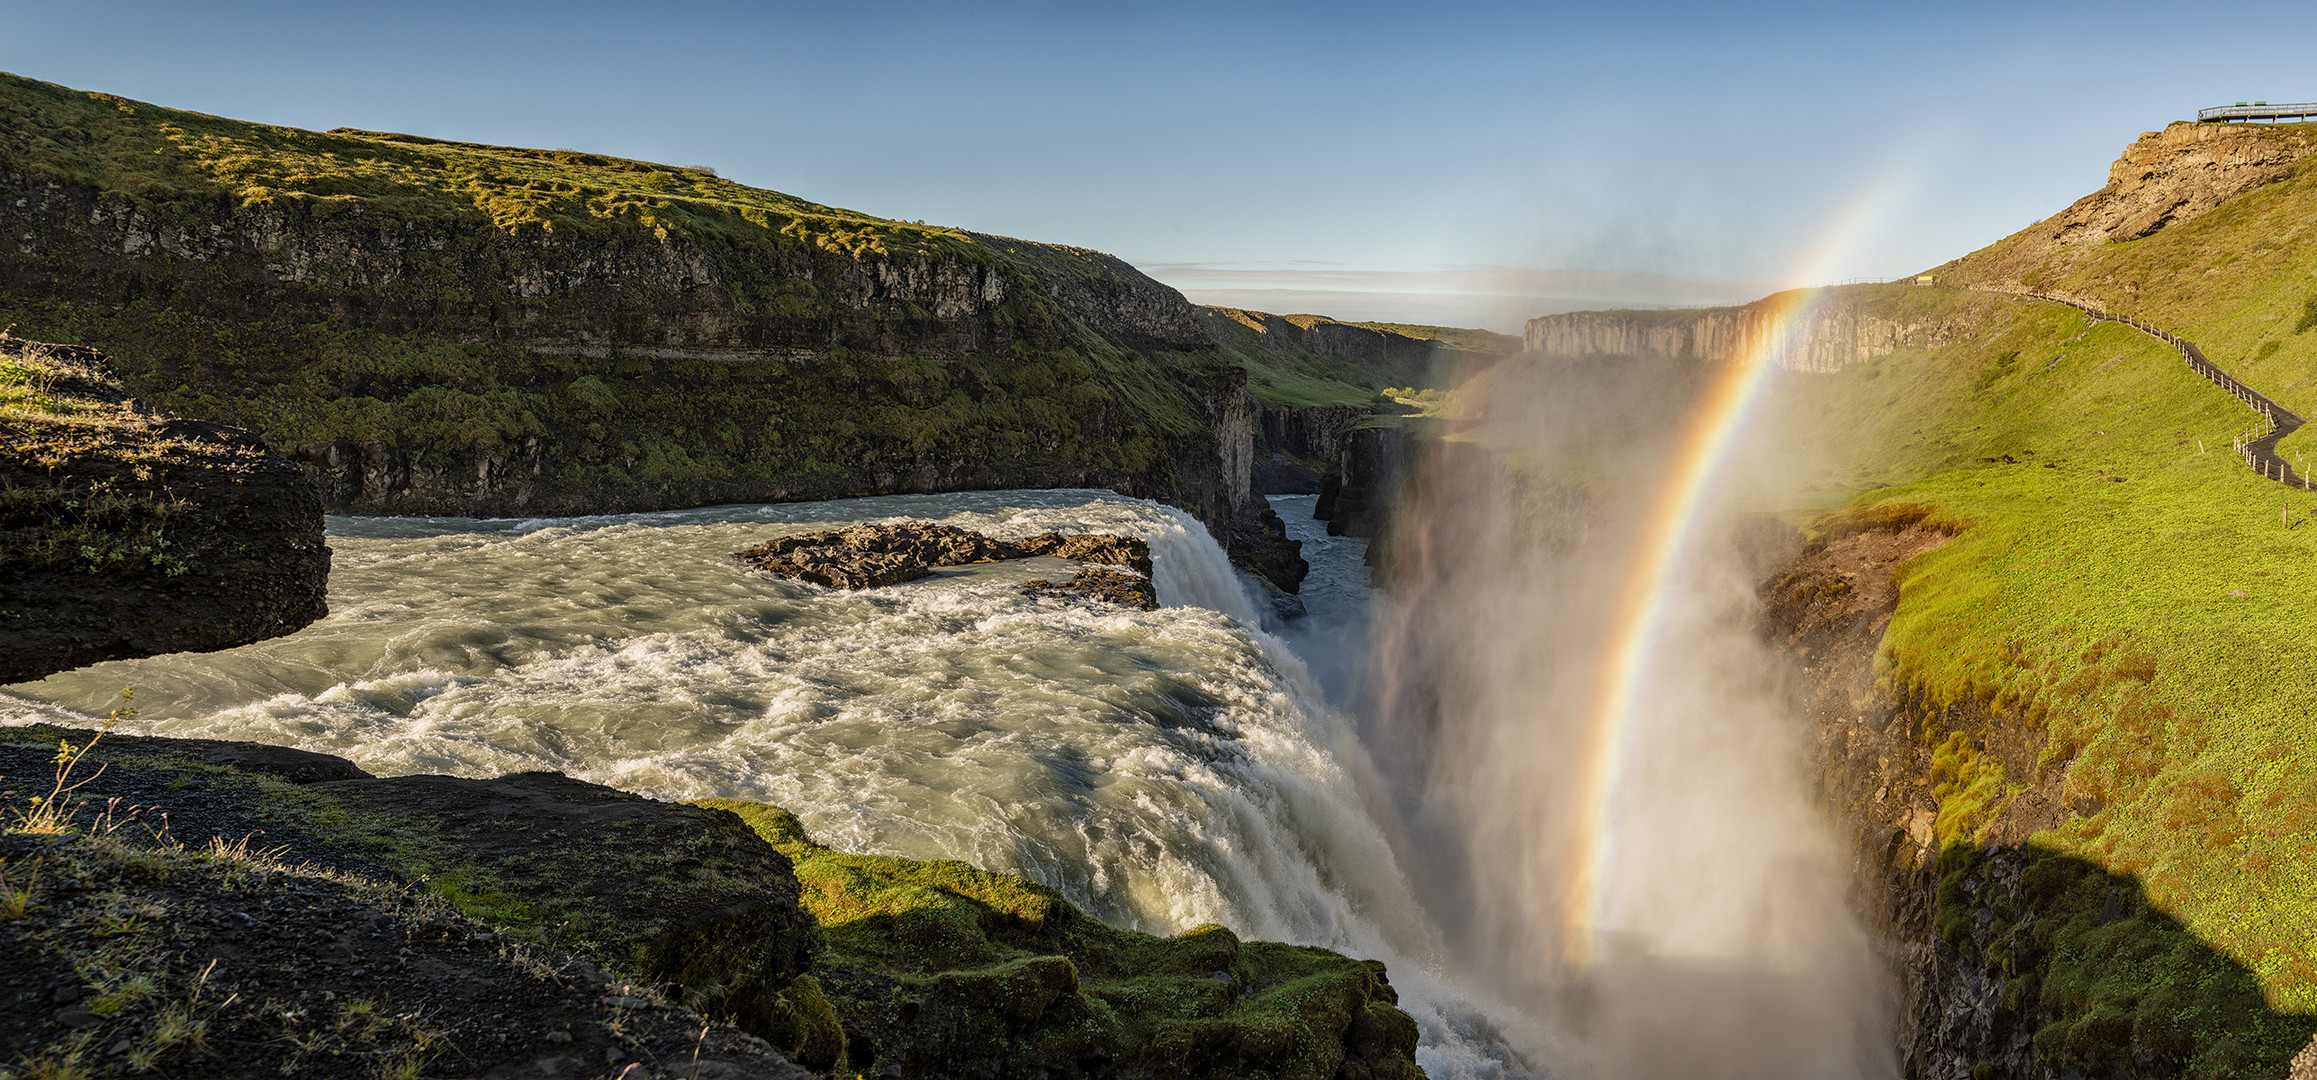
x=2122, y=586
x=1313, y=360
x=115, y=144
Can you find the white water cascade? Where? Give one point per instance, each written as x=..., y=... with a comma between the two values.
x=1162, y=769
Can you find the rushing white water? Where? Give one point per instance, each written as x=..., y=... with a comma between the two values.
x=1333, y=637
x=1162, y=769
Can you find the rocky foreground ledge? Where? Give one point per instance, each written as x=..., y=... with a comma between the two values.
x=237, y=907
x=872, y=556
x=126, y=534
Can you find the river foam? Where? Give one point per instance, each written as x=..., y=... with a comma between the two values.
x=1162, y=769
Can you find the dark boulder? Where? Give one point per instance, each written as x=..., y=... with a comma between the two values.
x=1108, y=586
x=1108, y=548
x=869, y=556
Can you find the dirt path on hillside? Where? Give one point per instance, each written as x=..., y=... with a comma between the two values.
x=2260, y=454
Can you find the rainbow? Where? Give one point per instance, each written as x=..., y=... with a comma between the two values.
x=1643, y=600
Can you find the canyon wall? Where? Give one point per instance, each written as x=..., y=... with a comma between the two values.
x=2162, y=180
x=443, y=328
x=2011, y=959
x=1838, y=330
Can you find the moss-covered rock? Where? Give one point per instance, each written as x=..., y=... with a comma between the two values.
x=125, y=534
x=682, y=895
x=938, y=969
x=851, y=964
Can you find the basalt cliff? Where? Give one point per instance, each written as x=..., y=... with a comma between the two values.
x=446, y=328
x=1831, y=333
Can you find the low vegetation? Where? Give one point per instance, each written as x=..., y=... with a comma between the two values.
x=439, y=926
x=81, y=471
x=133, y=952
x=1026, y=983
x=2125, y=591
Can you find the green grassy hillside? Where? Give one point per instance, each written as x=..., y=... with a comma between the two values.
x=444, y=327
x=160, y=155
x=1312, y=360
x=2123, y=591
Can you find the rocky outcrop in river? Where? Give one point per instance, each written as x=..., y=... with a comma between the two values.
x=869, y=556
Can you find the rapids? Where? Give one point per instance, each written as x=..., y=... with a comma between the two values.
x=1162, y=769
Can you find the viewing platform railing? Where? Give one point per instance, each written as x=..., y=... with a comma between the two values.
x=2259, y=110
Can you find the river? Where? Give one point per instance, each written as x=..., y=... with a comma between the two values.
x=1162, y=769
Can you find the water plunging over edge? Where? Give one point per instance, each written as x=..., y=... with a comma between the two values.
x=1161, y=769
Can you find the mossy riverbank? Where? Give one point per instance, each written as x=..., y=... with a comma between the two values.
x=850, y=964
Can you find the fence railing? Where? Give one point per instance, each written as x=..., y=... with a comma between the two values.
x=2259, y=110
x=2257, y=448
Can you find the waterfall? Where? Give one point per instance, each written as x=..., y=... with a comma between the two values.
x=1652, y=883
x=1192, y=570
x=1161, y=769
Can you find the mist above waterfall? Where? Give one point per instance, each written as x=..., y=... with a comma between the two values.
x=1695, y=924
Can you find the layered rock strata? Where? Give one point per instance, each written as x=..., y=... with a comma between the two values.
x=1834, y=332
x=2178, y=174
x=446, y=328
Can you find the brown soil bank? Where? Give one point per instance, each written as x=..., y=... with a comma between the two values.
x=125, y=534
x=535, y=925
x=446, y=328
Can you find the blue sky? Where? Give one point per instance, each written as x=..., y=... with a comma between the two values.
x=1472, y=164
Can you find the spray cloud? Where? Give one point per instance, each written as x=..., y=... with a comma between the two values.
x=1598, y=767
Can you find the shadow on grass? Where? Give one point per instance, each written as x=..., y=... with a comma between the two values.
x=2088, y=978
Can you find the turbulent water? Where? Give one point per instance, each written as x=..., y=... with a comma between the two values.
x=1163, y=769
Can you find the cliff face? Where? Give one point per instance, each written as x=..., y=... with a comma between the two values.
x=446, y=328
x=1357, y=354
x=2013, y=958
x=1838, y=331
x=124, y=534
x=2161, y=182
x=2175, y=175
x=1297, y=445
x=642, y=291
x=1311, y=360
